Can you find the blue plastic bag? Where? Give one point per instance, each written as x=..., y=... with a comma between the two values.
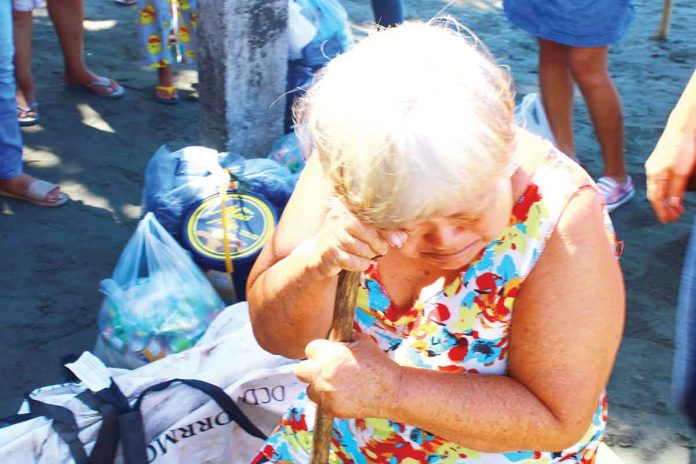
x=333, y=35
x=176, y=180
x=318, y=32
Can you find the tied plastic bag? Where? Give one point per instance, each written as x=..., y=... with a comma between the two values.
x=333, y=35
x=261, y=176
x=175, y=180
x=318, y=31
x=301, y=31
x=157, y=301
x=530, y=114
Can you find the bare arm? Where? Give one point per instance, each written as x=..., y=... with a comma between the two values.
x=673, y=159
x=292, y=286
x=564, y=337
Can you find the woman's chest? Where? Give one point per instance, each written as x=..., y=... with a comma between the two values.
x=462, y=325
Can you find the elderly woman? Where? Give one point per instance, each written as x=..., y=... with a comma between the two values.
x=491, y=302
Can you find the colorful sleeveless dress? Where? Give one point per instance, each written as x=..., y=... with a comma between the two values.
x=463, y=327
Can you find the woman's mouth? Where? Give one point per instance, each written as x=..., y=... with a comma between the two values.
x=451, y=256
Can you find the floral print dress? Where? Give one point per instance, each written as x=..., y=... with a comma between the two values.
x=461, y=327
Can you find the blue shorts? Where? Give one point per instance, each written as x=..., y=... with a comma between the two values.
x=578, y=23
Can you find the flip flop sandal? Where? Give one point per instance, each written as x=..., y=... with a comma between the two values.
x=36, y=194
x=116, y=90
x=28, y=116
x=170, y=90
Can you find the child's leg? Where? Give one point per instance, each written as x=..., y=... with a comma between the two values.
x=165, y=76
x=589, y=66
x=187, y=13
x=165, y=91
x=22, y=22
x=556, y=83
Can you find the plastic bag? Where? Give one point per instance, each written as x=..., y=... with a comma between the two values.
x=263, y=176
x=157, y=302
x=318, y=31
x=530, y=114
x=333, y=35
x=301, y=30
x=288, y=151
x=176, y=180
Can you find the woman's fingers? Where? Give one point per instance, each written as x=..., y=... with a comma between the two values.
x=395, y=238
x=306, y=371
x=367, y=241
x=665, y=191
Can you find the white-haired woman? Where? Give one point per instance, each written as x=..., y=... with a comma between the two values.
x=491, y=302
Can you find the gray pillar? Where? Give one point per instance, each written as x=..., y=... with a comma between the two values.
x=242, y=65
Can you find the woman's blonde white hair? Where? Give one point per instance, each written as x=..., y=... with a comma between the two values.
x=409, y=120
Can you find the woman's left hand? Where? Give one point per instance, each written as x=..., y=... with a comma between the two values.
x=349, y=380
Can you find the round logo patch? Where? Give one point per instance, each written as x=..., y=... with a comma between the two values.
x=250, y=222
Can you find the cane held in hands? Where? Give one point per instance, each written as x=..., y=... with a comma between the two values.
x=341, y=331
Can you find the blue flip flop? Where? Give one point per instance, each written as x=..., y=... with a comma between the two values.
x=116, y=90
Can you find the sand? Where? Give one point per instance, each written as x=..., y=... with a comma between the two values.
x=51, y=261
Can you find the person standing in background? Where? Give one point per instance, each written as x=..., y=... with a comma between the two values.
x=67, y=17
x=573, y=49
x=668, y=171
x=14, y=183
x=22, y=22
x=167, y=36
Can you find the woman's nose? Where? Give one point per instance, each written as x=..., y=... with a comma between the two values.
x=444, y=237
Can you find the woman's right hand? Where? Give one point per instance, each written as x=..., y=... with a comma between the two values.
x=346, y=242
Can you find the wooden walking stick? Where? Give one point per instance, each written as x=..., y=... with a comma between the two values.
x=341, y=331
x=666, y=16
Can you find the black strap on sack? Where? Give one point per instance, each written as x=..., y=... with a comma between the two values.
x=63, y=422
x=126, y=422
x=120, y=420
x=218, y=395
x=16, y=419
x=106, y=444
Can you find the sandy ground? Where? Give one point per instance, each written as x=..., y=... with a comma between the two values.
x=51, y=261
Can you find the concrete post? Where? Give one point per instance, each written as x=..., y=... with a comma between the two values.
x=242, y=65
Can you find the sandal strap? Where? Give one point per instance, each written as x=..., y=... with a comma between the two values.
x=170, y=89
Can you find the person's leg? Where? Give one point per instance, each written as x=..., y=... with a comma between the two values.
x=10, y=136
x=67, y=17
x=388, y=12
x=26, y=90
x=556, y=84
x=165, y=92
x=12, y=179
x=589, y=67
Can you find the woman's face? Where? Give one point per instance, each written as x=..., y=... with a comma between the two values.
x=455, y=235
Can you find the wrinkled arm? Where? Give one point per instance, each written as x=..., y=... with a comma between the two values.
x=290, y=301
